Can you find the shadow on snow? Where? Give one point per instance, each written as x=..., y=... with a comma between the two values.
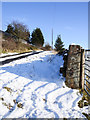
x=43, y=70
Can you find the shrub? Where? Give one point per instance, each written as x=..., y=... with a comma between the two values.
x=47, y=47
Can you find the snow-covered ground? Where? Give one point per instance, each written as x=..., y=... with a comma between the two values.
x=16, y=55
x=33, y=88
x=4, y=54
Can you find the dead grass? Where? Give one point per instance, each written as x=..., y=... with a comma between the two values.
x=85, y=101
x=44, y=100
x=10, y=45
x=9, y=106
x=8, y=89
x=19, y=105
x=86, y=115
x=2, y=99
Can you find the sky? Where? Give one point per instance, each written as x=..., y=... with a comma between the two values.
x=89, y=25
x=68, y=19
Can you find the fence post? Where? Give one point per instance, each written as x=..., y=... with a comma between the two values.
x=73, y=67
x=82, y=67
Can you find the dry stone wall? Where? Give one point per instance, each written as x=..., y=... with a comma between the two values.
x=73, y=72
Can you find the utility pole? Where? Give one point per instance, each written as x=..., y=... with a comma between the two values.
x=60, y=36
x=52, y=38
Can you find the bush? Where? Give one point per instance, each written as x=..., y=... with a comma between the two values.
x=47, y=47
x=8, y=45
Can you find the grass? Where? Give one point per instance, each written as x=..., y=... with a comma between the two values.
x=9, y=106
x=44, y=100
x=19, y=105
x=9, y=45
x=85, y=101
x=19, y=49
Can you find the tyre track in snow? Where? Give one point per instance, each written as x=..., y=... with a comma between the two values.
x=13, y=108
x=72, y=106
x=33, y=112
x=56, y=101
x=46, y=107
x=59, y=97
x=75, y=101
x=70, y=91
x=34, y=98
x=17, y=99
x=49, y=106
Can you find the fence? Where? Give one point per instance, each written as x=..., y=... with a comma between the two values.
x=87, y=72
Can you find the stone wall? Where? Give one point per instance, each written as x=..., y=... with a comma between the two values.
x=64, y=68
x=74, y=67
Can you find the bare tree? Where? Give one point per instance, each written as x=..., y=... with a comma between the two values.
x=19, y=30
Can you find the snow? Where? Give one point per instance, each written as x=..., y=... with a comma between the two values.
x=16, y=55
x=36, y=84
x=4, y=54
x=72, y=44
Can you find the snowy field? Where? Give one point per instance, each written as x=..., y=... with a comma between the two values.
x=32, y=87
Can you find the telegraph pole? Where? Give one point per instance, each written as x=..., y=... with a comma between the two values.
x=52, y=38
